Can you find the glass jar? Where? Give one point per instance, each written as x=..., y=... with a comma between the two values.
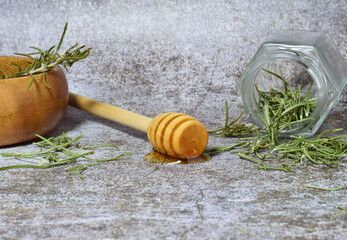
x=300, y=57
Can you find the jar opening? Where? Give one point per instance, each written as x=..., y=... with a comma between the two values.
x=284, y=81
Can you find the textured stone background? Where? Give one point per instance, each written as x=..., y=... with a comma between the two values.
x=159, y=56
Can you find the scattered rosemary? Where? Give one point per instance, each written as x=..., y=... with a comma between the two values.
x=329, y=189
x=59, y=151
x=44, y=61
x=241, y=229
x=326, y=189
x=233, y=129
x=281, y=109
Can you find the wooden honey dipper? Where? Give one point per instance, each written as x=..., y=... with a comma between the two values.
x=174, y=134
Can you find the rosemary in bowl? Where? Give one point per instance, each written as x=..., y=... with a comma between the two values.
x=34, y=91
x=43, y=61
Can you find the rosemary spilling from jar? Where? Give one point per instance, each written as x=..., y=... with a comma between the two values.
x=280, y=110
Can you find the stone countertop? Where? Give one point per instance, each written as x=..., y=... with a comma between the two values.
x=159, y=56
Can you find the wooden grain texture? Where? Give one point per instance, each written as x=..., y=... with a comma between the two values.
x=110, y=112
x=26, y=112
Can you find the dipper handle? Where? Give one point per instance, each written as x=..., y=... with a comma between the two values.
x=175, y=134
x=110, y=112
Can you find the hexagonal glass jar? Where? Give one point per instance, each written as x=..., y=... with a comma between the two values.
x=299, y=57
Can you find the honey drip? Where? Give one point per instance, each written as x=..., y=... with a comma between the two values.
x=156, y=157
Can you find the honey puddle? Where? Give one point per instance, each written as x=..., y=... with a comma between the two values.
x=156, y=157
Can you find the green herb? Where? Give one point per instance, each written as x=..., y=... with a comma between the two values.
x=288, y=152
x=282, y=109
x=241, y=229
x=44, y=61
x=327, y=189
x=227, y=148
x=57, y=152
x=319, y=150
x=233, y=129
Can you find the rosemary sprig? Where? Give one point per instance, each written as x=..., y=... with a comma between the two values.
x=232, y=128
x=319, y=150
x=58, y=151
x=227, y=148
x=44, y=61
x=283, y=109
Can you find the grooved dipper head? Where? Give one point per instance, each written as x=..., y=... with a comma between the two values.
x=177, y=135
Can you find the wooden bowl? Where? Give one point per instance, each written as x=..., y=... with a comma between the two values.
x=26, y=112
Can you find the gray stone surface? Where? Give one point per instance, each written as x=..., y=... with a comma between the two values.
x=158, y=56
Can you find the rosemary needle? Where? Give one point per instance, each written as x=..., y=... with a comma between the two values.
x=59, y=151
x=326, y=189
x=329, y=189
x=240, y=229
